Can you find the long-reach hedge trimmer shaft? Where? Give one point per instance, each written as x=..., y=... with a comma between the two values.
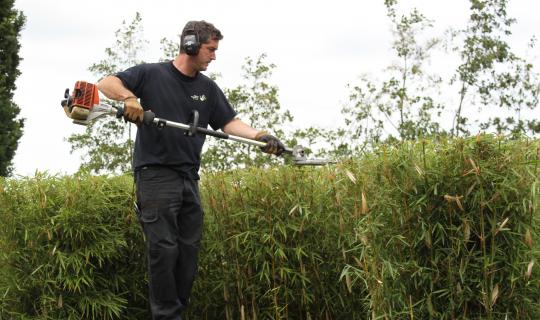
x=83, y=106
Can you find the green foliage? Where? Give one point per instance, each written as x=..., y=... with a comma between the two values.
x=11, y=128
x=491, y=72
x=275, y=244
x=442, y=229
x=107, y=142
x=126, y=51
x=450, y=230
x=409, y=103
x=71, y=248
x=169, y=48
x=402, y=106
x=257, y=104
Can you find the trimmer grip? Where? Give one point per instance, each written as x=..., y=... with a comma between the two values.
x=119, y=112
x=148, y=117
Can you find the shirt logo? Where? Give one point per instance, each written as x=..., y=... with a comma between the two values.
x=201, y=97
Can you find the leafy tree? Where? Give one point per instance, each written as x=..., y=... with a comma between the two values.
x=491, y=74
x=107, y=142
x=169, y=48
x=408, y=103
x=11, y=128
x=401, y=106
x=257, y=104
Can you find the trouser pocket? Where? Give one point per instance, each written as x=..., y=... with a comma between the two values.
x=149, y=214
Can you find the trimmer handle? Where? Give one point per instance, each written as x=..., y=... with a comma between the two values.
x=298, y=153
x=148, y=116
x=119, y=112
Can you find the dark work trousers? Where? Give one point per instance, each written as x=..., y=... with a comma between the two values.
x=172, y=220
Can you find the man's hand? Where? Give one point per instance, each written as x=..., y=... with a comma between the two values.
x=133, y=111
x=273, y=145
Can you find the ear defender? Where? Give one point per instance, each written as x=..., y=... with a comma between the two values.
x=190, y=43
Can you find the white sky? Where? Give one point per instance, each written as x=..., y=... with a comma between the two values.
x=318, y=46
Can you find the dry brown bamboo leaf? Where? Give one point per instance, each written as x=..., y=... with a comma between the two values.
x=365, y=208
x=529, y=270
x=364, y=239
x=419, y=170
x=528, y=239
x=505, y=221
x=494, y=294
x=459, y=203
x=348, y=282
x=293, y=209
x=466, y=231
x=358, y=262
x=427, y=239
x=455, y=199
x=350, y=175
x=475, y=167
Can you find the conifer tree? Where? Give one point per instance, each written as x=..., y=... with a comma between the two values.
x=11, y=127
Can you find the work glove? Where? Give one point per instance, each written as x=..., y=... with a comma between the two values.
x=273, y=145
x=133, y=111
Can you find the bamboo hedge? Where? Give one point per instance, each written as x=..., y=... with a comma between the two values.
x=71, y=249
x=440, y=229
x=450, y=230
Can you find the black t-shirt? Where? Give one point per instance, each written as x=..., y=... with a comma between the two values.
x=173, y=96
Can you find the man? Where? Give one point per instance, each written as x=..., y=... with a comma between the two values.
x=166, y=162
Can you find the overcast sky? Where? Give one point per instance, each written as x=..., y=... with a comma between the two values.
x=318, y=47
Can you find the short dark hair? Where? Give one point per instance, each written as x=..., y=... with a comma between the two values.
x=205, y=32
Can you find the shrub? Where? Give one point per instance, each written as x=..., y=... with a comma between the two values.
x=275, y=245
x=72, y=249
x=449, y=233
x=428, y=229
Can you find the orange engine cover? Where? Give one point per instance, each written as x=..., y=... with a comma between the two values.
x=85, y=95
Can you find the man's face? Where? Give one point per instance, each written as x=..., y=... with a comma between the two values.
x=206, y=54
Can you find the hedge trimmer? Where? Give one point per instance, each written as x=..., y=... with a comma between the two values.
x=83, y=106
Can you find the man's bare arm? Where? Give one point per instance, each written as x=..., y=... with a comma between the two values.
x=237, y=127
x=113, y=88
